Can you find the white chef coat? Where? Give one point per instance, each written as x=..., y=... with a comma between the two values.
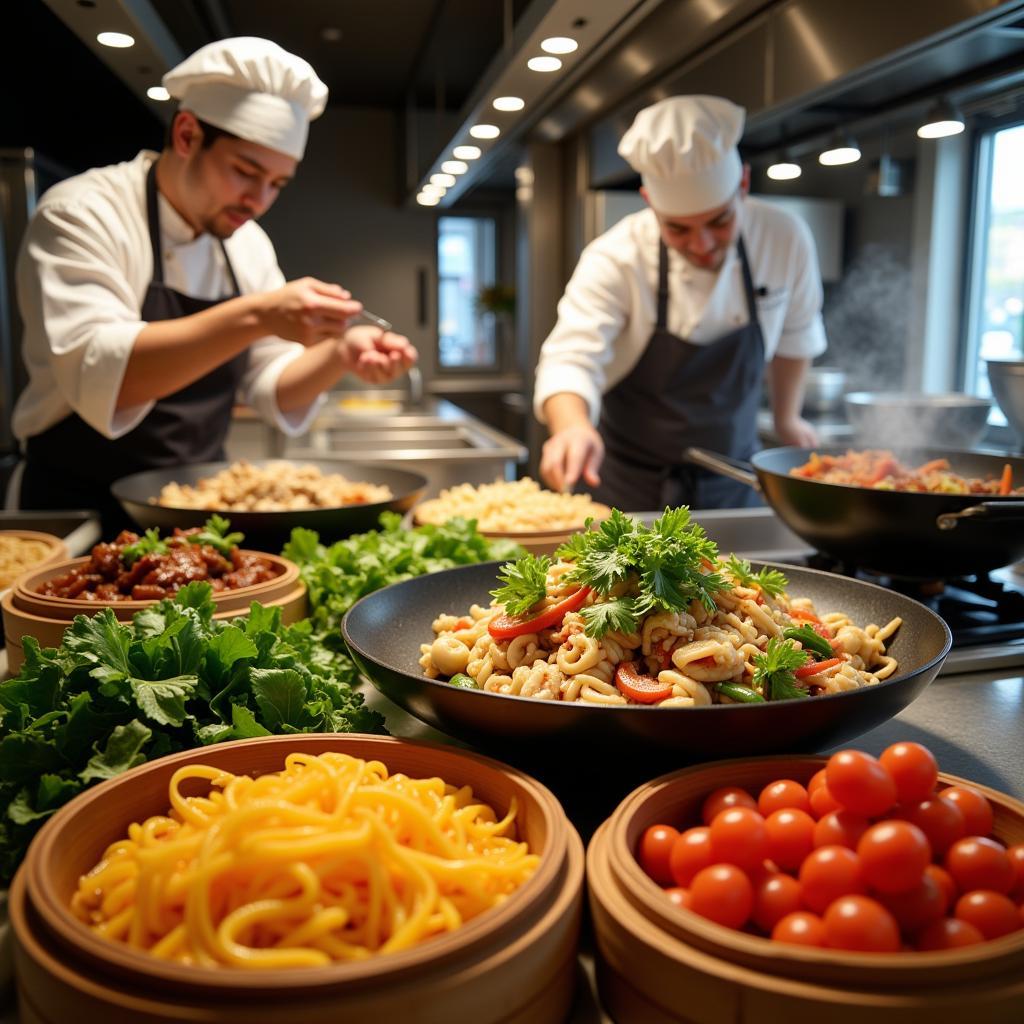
x=610, y=306
x=83, y=270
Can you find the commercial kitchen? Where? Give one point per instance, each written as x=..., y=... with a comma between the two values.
x=555, y=269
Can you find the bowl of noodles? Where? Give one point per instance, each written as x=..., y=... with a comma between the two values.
x=370, y=877
x=580, y=649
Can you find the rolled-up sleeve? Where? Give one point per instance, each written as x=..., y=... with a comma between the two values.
x=591, y=314
x=74, y=291
x=803, y=331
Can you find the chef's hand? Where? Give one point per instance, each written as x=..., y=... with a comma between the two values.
x=570, y=453
x=376, y=356
x=307, y=310
x=796, y=431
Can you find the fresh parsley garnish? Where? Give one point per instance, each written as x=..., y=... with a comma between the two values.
x=525, y=583
x=148, y=544
x=615, y=616
x=811, y=640
x=773, y=670
x=771, y=581
x=215, y=533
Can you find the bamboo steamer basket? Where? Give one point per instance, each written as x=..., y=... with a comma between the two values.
x=49, y=629
x=56, y=550
x=515, y=964
x=663, y=964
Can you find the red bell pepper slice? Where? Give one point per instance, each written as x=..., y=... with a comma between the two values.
x=641, y=688
x=816, y=666
x=505, y=627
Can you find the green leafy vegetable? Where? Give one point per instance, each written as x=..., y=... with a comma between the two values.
x=771, y=581
x=148, y=544
x=525, y=583
x=773, y=670
x=810, y=639
x=215, y=533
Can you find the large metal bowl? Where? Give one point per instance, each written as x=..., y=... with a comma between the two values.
x=1007, y=379
x=823, y=389
x=889, y=419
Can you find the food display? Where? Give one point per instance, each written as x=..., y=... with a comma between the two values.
x=629, y=614
x=331, y=859
x=870, y=856
x=880, y=469
x=149, y=568
x=519, y=506
x=279, y=486
x=19, y=552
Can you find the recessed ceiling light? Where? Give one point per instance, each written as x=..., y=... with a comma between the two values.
x=447, y=180
x=454, y=167
x=485, y=131
x=426, y=199
x=559, y=44
x=118, y=40
x=466, y=152
x=431, y=189
x=784, y=170
x=158, y=92
x=543, y=63
x=509, y=103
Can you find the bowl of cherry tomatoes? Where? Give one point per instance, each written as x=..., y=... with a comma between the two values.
x=775, y=887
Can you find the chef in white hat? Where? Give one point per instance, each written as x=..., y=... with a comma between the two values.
x=152, y=300
x=670, y=318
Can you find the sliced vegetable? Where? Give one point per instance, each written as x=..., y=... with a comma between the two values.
x=505, y=627
x=817, y=666
x=464, y=682
x=743, y=694
x=810, y=638
x=1006, y=480
x=642, y=688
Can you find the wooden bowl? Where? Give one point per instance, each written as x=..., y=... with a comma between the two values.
x=516, y=962
x=667, y=964
x=56, y=551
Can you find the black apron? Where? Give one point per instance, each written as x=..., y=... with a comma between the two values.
x=71, y=465
x=681, y=394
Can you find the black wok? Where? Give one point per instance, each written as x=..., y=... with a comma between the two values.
x=269, y=530
x=925, y=536
x=385, y=629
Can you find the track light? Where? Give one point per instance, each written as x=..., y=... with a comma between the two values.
x=843, y=149
x=942, y=120
x=784, y=169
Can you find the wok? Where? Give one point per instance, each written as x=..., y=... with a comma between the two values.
x=269, y=530
x=384, y=630
x=897, y=533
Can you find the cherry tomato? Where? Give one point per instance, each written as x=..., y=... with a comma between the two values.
x=917, y=907
x=690, y=853
x=861, y=923
x=722, y=893
x=789, y=837
x=817, y=779
x=893, y=856
x=828, y=873
x=679, y=896
x=800, y=929
x=738, y=837
x=823, y=802
x=840, y=828
x=1016, y=855
x=775, y=896
x=976, y=809
x=948, y=933
x=945, y=882
x=913, y=770
x=655, y=847
x=980, y=863
x=859, y=783
x=939, y=819
x=992, y=913
x=777, y=796
x=724, y=798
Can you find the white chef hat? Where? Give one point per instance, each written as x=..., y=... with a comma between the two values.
x=684, y=148
x=253, y=89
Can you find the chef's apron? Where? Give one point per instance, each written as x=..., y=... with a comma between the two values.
x=681, y=394
x=71, y=465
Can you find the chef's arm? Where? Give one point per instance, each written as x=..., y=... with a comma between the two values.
x=787, y=377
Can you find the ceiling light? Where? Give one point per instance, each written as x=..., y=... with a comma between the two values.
x=428, y=199
x=447, y=180
x=509, y=103
x=158, y=92
x=466, y=152
x=119, y=40
x=941, y=121
x=842, y=150
x=454, y=167
x=431, y=189
x=784, y=170
x=543, y=63
x=559, y=44
x=485, y=131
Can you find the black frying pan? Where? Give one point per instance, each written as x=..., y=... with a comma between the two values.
x=269, y=530
x=928, y=536
x=384, y=631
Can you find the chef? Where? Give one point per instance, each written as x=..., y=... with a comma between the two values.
x=152, y=300
x=670, y=318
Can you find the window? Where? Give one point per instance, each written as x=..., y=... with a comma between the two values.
x=466, y=257
x=996, y=321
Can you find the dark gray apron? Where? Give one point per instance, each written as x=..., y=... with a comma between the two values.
x=681, y=394
x=71, y=465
